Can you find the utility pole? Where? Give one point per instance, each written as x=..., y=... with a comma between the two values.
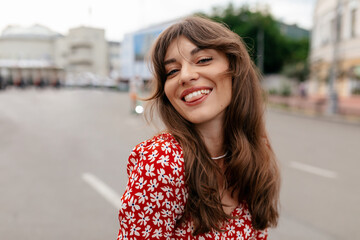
x=260, y=49
x=333, y=97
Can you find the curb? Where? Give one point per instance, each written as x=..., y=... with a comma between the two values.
x=337, y=118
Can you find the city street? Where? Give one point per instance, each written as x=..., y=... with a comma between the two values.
x=63, y=156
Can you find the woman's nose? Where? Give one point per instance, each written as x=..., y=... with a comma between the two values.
x=188, y=73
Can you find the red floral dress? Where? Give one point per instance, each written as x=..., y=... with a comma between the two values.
x=156, y=194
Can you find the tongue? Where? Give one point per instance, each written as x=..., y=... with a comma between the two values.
x=194, y=98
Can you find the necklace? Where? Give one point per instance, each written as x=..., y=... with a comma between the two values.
x=219, y=157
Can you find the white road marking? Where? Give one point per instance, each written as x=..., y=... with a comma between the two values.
x=314, y=170
x=104, y=190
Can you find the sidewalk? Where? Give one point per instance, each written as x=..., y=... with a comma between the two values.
x=348, y=108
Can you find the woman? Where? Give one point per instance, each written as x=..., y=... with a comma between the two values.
x=213, y=174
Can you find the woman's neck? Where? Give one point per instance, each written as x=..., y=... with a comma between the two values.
x=213, y=137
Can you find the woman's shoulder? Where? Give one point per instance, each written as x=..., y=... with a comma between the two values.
x=161, y=149
x=162, y=141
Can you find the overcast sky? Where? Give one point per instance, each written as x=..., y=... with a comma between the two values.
x=119, y=17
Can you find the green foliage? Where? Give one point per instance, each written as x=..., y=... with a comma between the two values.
x=285, y=90
x=278, y=49
x=356, y=91
x=298, y=70
x=273, y=91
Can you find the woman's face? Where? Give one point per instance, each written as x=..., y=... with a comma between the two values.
x=196, y=83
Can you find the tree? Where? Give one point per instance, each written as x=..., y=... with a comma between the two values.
x=278, y=49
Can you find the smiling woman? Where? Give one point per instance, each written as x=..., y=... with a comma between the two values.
x=212, y=174
x=196, y=84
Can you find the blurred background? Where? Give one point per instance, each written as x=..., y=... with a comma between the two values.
x=70, y=75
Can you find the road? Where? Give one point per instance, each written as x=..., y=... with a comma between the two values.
x=63, y=157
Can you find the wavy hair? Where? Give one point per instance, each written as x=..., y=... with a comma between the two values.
x=251, y=169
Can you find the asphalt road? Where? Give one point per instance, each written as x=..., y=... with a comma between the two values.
x=63, y=157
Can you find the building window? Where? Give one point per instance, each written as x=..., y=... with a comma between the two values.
x=353, y=23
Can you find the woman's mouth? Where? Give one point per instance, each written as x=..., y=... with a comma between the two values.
x=191, y=97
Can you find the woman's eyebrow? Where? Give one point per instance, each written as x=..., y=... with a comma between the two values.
x=171, y=60
x=193, y=52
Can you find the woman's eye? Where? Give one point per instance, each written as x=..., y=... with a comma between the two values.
x=171, y=72
x=205, y=60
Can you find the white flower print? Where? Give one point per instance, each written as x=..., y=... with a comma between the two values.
x=180, y=232
x=166, y=147
x=170, y=179
x=168, y=191
x=178, y=194
x=165, y=213
x=168, y=224
x=230, y=230
x=217, y=235
x=134, y=230
x=163, y=160
x=247, y=230
x=133, y=178
x=168, y=236
x=130, y=217
x=140, y=168
x=143, y=155
x=239, y=210
x=262, y=233
x=122, y=206
x=239, y=235
x=153, y=155
x=157, y=197
x=133, y=205
x=127, y=194
x=161, y=175
x=247, y=215
x=157, y=219
x=176, y=207
x=153, y=145
x=123, y=223
x=175, y=168
x=143, y=218
x=149, y=208
x=177, y=157
x=157, y=233
x=166, y=203
x=239, y=222
x=142, y=196
x=140, y=184
x=152, y=185
x=190, y=228
x=149, y=170
x=147, y=231
x=179, y=181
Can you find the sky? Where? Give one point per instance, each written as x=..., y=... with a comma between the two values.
x=119, y=17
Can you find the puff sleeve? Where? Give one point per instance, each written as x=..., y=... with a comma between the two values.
x=155, y=194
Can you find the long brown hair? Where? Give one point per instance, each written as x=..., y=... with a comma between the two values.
x=251, y=169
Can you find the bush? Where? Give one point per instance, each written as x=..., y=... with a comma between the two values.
x=285, y=90
x=273, y=91
x=356, y=91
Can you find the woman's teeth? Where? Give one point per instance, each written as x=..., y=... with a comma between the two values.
x=191, y=97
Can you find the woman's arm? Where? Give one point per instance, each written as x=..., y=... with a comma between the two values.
x=155, y=194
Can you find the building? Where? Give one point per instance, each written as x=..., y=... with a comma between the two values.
x=37, y=55
x=134, y=51
x=345, y=53
x=27, y=55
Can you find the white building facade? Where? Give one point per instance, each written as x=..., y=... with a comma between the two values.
x=347, y=56
x=37, y=55
x=134, y=52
